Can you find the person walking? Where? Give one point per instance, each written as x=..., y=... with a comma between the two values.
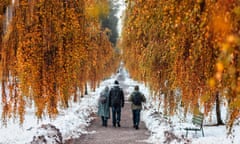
x=103, y=106
x=116, y=99
x=136, y=98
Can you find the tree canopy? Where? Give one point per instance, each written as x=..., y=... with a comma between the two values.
x=188, y=45
x=50, y=51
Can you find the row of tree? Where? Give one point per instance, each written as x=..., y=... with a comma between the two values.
x=50, y=52
x=191, y=45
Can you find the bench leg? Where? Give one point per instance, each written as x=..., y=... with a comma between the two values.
x=186, y=133
x=202, y=133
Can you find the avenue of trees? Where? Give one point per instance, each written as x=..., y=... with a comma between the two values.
x=190, y=45
x=50, y=52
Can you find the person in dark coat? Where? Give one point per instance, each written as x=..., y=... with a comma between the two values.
x=116, y=98
x=136, y=108
x=103, y=106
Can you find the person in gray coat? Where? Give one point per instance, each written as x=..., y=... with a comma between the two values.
x=103, y=106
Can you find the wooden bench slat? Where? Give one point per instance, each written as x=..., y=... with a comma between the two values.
x=194, y=129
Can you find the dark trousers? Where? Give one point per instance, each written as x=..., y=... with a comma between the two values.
x=104, y=121
x=116, y=115
x=136, y=117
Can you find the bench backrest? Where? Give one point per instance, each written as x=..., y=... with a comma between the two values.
x=198, y=119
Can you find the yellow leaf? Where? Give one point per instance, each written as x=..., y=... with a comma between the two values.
x=211, y=82
x=219, y=66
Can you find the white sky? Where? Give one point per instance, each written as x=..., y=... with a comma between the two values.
x=120, y=14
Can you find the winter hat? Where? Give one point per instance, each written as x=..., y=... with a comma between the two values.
x=136, y=88
x=116, y=82
x=106, y=88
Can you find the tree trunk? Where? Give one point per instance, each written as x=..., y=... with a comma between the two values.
x=218, y=110
x=86, y=92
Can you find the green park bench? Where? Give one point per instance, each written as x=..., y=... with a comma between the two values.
x=197, y=120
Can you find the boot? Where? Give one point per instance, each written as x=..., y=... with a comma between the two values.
x=118, y=124
x=105, y=123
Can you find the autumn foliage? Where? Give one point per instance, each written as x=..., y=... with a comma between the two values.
x=191, y=45
x=50, y=52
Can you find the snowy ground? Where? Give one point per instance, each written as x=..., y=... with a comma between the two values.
x=72, y=123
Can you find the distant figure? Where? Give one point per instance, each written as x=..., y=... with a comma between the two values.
x=103, y=106
x=116, y=98
x=136, y=98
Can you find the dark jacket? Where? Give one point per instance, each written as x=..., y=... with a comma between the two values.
x=143, y=99
x=117, y=92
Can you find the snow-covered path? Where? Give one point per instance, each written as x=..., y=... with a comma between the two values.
x=125, y=134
